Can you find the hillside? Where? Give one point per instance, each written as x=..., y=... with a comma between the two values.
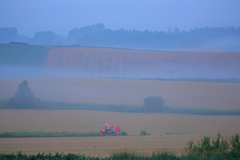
x=21, y=61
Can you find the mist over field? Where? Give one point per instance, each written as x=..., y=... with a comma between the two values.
x=166, y=40
x=28, y=61
x=156, y=15
x=205, y=39
x=138, y=77
x=125, y=39
x=205, y=26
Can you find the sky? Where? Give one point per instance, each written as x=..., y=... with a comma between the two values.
x=60, y=16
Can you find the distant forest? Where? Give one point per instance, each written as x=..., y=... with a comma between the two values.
x=222, y=39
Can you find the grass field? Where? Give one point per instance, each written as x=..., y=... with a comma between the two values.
x=206, y=95
x=169, y=132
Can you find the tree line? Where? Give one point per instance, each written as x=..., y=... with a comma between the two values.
x=226, y=38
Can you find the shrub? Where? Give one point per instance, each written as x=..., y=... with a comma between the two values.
x=218, y=147
x=153, y=104
x=235, y=144
x=144, y=133
x=123, y=133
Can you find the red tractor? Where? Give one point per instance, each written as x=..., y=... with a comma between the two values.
x=109, y=130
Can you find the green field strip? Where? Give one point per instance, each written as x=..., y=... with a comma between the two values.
x=46, y=134
x=23, y=55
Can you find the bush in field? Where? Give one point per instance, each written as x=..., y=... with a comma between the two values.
x=123, y=133
x=218, y=147
x=144, y=133
x=153, y=104
x=23, y=98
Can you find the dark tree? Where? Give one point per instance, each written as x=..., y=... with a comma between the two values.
x=24, y=98
x=46, y=38
x=78, y=33
x=153, y=104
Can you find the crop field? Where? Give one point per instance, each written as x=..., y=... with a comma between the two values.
x=73, y=62
x=110, y=62
x=169, y=132
x=206, y=95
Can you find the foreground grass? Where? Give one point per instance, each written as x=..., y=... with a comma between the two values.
x=116, y=156
x=50, y=134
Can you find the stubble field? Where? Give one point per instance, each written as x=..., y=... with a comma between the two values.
x=169, y=132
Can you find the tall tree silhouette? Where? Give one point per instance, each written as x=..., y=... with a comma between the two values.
x=24, y=98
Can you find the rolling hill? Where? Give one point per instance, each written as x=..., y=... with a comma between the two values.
x=21, y=61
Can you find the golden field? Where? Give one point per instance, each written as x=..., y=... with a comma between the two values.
x=169, y=132
x=113, y=62
x=211, y=95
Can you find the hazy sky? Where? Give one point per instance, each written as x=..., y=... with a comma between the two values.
x=60, y=16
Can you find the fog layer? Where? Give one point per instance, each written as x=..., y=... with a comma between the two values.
x=19, y=61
